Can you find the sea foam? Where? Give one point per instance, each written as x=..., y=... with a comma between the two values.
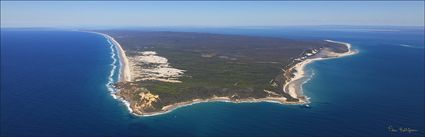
x=114, y=67
x=111, y=79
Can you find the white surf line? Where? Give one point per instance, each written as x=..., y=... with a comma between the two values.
x=125, y=65
x=114, y=56
x=308, y=78
x=113, y=44
x=112, y=72
x=125, y=72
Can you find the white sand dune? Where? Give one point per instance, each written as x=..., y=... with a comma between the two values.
x=147, y=65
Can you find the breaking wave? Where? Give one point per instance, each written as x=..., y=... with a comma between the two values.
x=410, y=46
x=112, y=73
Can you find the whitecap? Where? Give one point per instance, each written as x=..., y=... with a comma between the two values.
x=410, y=46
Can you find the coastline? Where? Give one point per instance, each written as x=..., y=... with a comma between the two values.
x=124, y=74
x=170, y=108
x=293, y=85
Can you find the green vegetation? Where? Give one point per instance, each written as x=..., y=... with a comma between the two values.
x=215, y=65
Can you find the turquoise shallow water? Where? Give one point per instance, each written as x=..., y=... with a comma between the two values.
x=53, y=83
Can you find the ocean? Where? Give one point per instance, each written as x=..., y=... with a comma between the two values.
x=54, y=82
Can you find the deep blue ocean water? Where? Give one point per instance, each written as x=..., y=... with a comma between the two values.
x=53, y=83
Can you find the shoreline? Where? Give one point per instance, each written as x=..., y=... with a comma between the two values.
x=124, y=74
x=295, y=83
x=170, y=108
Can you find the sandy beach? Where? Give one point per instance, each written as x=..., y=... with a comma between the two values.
x=294, y=85
x=169, y=108
x=125, y=74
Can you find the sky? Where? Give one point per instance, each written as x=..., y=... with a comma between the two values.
x=212, y=13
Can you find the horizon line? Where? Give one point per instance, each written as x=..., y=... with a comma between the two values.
x=201, y=26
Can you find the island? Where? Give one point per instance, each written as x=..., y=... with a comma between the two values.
x=162, y=70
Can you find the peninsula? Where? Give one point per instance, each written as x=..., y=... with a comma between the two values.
x=161, y=71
